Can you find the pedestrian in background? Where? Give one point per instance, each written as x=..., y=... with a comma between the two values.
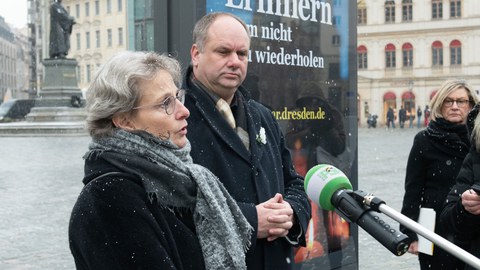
x=434, y=161
x=241, y=142
x=390, y=118
x=411, y=116
x=419, y=116
x=145, y=204
x=426, y=112
x=402, y=116
x=461, y=213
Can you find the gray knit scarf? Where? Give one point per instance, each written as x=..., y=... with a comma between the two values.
x=172, y=180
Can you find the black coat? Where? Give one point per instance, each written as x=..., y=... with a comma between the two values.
x=464, y=226
x=114, y=226
x=432, y=167
x=250, y=177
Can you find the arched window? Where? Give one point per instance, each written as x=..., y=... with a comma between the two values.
x=455, y=52
x=437, y=9
x=361, y=12
x=455, y=8
x=390, y=11
x=389, y=96
x=362, y=57
x=390, y=56
x=407, y=10
x=437, y=53
x=407, y=55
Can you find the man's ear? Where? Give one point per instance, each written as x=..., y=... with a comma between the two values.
x=123, y=121
x=194, y=53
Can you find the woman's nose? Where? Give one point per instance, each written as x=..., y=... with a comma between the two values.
x=182, y=109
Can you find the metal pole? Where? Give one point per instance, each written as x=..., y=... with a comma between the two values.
x=435, y=238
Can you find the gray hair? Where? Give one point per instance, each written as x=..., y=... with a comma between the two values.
x=445, y=89
x=115, y=90
x=200, y=31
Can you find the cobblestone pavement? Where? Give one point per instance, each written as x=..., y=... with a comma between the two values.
x=382, y=160
x=40, y=178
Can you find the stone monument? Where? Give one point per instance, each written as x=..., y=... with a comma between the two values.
x=60, y=97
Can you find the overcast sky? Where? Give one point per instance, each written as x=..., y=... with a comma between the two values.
x=14, y=12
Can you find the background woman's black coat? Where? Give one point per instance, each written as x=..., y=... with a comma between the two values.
x=432, y=167
x=251, y=178
x=464, y=226
x=114, y=226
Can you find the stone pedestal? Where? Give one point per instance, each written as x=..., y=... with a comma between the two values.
x=59, y=96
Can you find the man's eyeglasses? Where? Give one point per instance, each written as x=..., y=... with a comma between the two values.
x=167, y=104
x=461, y=103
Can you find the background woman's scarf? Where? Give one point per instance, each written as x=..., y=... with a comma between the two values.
x=170, y=178
x=449, y=137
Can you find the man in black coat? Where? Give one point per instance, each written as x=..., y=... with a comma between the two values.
x=243, y=145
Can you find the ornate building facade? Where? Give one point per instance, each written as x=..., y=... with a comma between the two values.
x=407, y=48
x=100, y=31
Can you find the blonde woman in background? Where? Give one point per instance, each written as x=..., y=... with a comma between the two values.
x=434, y=162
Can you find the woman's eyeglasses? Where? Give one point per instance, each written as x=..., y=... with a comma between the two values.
x=167, y=104
x=461, y=103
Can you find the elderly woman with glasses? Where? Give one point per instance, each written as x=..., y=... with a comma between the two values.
x=434, y=162
x=145, y=205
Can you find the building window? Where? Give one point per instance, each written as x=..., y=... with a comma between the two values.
x=455, y=8
x=390, y=56
x=79, y=73
x=407, y=55
x=78, y=41
x=97, y=7
x=88, y=73
x=437, y=54
x=109, y=37
x=97, y=39
x=87, y=9
x=336, y=40
x=362, y=57
x=109, y=6
x=77, y=11
x=390, y=11
x=407, y=10
x=87, y=40
x=437, y=9
x=143, y=19
x=336, y=20
x=455, y=52
x=120, y=36
x=362, y=14
x=120, y=5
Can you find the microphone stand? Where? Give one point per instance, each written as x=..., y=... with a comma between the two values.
x=380, y=206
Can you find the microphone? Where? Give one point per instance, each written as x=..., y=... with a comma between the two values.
x=330, y=188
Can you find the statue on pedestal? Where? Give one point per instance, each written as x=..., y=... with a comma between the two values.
x=61, y=24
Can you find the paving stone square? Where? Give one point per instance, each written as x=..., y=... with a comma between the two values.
x=40, y=179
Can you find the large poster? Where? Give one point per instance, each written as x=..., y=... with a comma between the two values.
x=302, y=65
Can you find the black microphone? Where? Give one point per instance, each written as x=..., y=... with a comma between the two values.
x=330, y=188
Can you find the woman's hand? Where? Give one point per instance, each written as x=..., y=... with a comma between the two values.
x=413, y=248
x=471, y=202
